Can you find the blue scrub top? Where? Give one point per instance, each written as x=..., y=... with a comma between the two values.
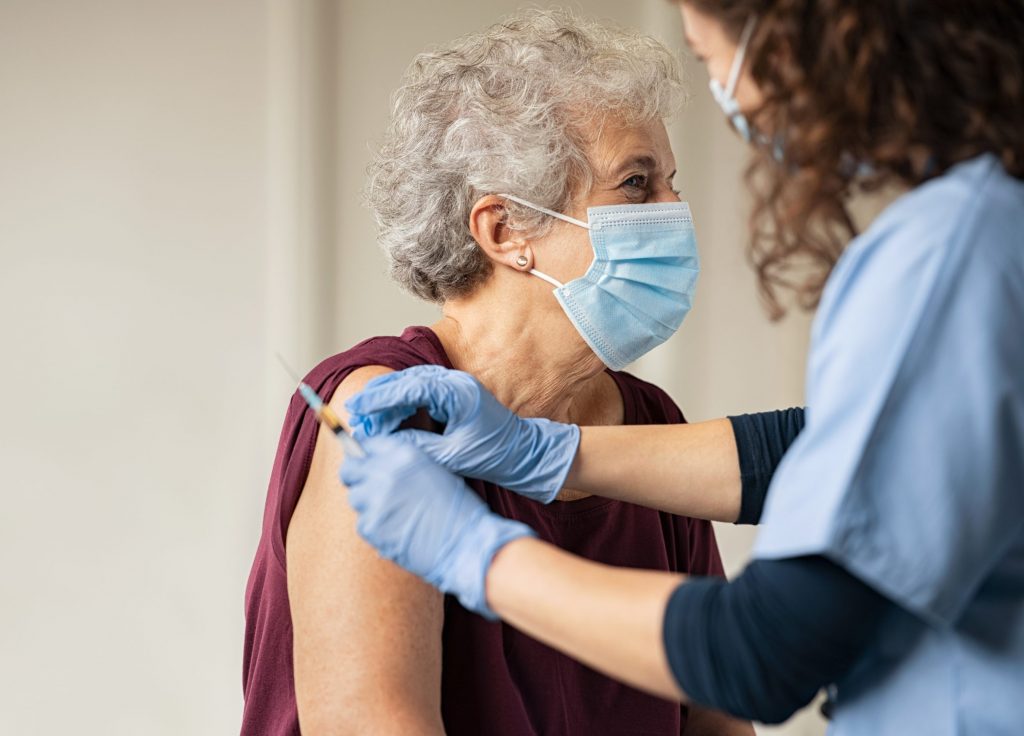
x=910, y=470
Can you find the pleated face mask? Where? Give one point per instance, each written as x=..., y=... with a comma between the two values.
x=640, y=286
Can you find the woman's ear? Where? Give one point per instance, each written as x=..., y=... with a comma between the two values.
x=489, y=227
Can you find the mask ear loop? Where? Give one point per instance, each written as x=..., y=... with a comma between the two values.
x=541, y=275
x=741, y=55
x=546, y=211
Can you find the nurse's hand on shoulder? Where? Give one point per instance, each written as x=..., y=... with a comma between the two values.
x=426, y=519
x=482, y=438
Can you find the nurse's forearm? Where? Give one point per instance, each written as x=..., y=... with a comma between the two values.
x=608, y=618
x=759, y=647
x=687, y=469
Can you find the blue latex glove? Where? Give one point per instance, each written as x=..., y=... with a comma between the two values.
x=482, y=439
x=426, y=519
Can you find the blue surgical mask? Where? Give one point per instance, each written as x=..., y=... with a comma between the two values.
x=640, y=286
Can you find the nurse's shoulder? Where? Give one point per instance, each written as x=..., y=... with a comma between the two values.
x=971, y=218
x=989, y=204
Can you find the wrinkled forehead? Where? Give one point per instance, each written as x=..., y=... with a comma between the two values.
x=615, y=147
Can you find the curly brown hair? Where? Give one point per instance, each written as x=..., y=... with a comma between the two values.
x=861, y=94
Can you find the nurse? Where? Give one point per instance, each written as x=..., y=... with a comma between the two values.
x=890, y=563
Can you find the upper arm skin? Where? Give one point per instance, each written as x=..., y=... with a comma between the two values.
x=367, y=634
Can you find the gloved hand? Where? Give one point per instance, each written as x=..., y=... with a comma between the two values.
x=482, y=439
x=426, y=519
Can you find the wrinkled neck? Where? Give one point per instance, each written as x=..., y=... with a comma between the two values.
x=519, y=344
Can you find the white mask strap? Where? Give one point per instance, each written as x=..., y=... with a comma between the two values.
x=741, y=53
x=541, y=275
x=546, y=211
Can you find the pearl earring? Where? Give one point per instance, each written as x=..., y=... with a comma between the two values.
x=522, y=261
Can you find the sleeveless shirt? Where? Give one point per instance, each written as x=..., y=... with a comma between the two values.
x=495, y=679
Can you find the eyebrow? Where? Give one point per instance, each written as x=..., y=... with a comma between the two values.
x=646, y=162
x=643, y=161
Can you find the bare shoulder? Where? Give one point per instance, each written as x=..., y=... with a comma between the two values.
x=322, y=483
x=365, y=631
x=354, y=383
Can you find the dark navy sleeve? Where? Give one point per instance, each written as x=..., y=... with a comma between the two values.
x=761, y=440
x=762, y=646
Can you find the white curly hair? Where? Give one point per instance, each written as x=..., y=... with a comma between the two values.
x=503, y=110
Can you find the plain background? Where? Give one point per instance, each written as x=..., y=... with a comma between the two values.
x=179, y=198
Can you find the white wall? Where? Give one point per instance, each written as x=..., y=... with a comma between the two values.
x=179, y=197
x=133, y=283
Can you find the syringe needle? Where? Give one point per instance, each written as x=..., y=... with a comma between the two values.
x=287, y=368
x=323, y=412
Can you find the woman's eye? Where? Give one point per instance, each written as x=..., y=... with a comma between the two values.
x=637, y=181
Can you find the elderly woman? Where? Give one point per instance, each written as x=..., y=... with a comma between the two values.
x=498, y=146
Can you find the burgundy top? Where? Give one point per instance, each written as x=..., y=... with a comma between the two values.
x=495, y=680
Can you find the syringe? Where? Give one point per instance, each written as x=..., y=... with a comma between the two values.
x=325, y=414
